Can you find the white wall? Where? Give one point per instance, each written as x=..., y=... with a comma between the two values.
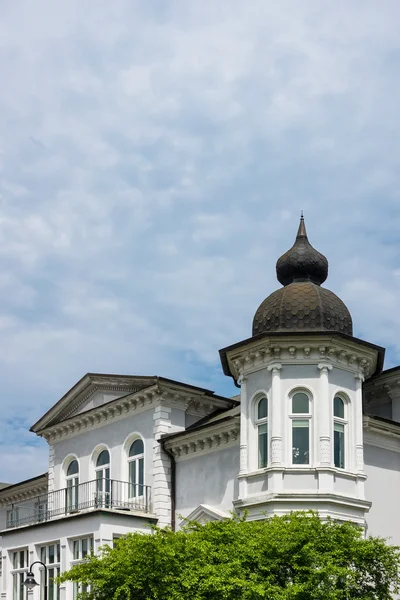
x=116, y=437
x=209, y=479
x=383, y=489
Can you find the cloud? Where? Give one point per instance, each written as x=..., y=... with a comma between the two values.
x=154, y=159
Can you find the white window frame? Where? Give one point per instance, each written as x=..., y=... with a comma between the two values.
x=103, y=483
x=301, y=417
x=135, y=459
x=258, y=424
x=77, y=548
x=72, y=485
x=44, y=555
x=18, y=573
x=345, y=423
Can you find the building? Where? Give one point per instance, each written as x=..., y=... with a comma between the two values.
x=315, y=425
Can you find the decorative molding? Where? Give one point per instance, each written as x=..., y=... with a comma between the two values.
x=204, y=514
x=243, y=458
x=360, y=457
x=381, y=435
x=276, y=450
x=24, y=491
x=216, y=437
x=343, y=354
x=119, y=408
x=325, y=450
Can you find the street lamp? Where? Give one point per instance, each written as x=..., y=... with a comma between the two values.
x=30, y=581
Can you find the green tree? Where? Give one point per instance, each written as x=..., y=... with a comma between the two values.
x=294, y=557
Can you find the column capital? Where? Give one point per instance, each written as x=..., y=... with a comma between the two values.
x=274, y=367
x=325, y=367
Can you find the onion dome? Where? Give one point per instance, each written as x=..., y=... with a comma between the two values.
x=302, y=304
x=302, y=262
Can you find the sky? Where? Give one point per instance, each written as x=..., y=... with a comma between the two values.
x=154, y=160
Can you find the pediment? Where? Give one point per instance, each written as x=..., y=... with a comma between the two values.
x=92, y=391
x=204, y=514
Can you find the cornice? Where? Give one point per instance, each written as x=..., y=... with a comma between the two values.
x=215, y=437
x=338, y=352
x=24, y=491
x=381, y=434
x=98, y=388
x=303, y=497
x=194, y=403
x=386, y=427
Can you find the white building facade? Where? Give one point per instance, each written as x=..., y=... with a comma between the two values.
x=315, y=425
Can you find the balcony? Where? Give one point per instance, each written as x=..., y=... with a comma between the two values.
x=98, y=494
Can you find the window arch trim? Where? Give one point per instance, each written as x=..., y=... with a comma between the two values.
x=340, y=434
x=134, y=458
x=260, y=420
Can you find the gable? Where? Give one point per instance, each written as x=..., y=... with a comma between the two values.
x=92, y=391
x=204, y=514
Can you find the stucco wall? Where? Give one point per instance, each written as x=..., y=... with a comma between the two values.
x=382, y=489
x=209, y=479
x=113, y=436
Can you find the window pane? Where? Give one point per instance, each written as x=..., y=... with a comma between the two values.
x=58, y=553
x=21, y=559
x=300, y=442
x=21, y=586
x=84, y=547
x=338, y=445
x=43, y=554
x=300, y=403
x=51, y=554
x=262, y=446
x=15, y=560
x=76, y=549
x=51, y=584
x=136, y=448
x=73, y=468
x=338, y=407
x=103, y=459
x=141, y=475
x=262, y=412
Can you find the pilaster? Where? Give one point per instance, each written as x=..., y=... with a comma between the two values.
x=161, y=489
x=359, y=425
x=50, y=480
x=324, y=420
x=244, y=417
x=276, y=410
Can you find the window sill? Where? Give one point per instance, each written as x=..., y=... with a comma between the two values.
x=304, y=469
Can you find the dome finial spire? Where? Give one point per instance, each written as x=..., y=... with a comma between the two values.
x=302, y=262
x=301, y=232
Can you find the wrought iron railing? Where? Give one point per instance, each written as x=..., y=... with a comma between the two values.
x=100, y=493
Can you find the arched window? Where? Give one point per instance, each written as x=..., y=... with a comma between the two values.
x=136, y=468
x=103, y=484
x=262, y=432
x=301, y=422
x=339, y=432
x=72, y=478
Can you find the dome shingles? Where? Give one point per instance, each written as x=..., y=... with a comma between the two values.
x=302, y=304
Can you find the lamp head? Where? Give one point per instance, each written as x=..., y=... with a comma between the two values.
x=30, y=581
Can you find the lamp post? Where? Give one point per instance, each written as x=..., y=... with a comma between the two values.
x=30, y=581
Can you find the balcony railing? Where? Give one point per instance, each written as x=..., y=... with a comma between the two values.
x=100, y=493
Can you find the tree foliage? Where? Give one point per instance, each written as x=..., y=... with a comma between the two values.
x=294, y=557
